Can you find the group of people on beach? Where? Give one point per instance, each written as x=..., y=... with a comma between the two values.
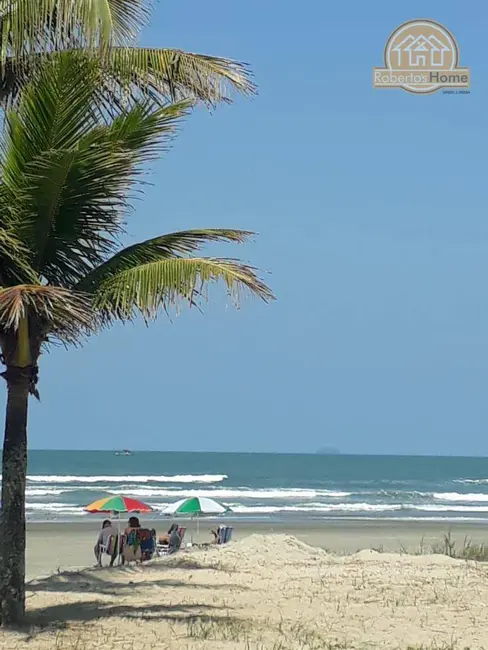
x=109, y=532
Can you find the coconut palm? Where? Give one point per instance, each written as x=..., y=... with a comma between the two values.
x=66, y=174
x=31, y=30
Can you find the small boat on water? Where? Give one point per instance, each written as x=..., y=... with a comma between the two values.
x=124, y=452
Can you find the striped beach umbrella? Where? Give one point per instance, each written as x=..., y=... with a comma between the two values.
x=195, y=507
x=118, y=504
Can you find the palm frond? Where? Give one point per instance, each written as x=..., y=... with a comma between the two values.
x=14, y=260
x=65, y=314
x=66, y=174
x=165, y=246
x=147, y=288
x=56, y=110
x=32, y=26
x=160, y=74
x=175, y=74
x=143, y=131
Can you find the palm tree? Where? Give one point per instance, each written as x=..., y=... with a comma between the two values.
x=66, y=172
x=31, y=31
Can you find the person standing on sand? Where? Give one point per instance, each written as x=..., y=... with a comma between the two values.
x=103, y=540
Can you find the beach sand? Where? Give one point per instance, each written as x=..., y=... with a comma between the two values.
x=53, y=547
x=262, y=592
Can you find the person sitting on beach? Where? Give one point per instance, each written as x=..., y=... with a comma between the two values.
x=133, y=524
x=103, y=540
x=217, y=535
x=174, y=540
x=164, y=539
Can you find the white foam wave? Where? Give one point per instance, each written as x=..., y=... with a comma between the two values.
x=474, y=481
x=57, y=508
x=449, y=508
x=318, y=507
x=456, y=496
x=216, y=493
x=178, y=478
x=239, y=493
x=40, y=492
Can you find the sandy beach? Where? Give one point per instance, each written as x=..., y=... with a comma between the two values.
x=264, y=591
x=73, y=545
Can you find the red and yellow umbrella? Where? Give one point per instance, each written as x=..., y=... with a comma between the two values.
x=118, y=504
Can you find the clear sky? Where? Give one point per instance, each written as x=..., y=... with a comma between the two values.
x=372, y=211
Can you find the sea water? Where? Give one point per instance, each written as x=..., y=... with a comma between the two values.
x=264, y=486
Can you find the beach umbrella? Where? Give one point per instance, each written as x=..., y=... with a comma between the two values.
x=117, y=504
x=196, y=507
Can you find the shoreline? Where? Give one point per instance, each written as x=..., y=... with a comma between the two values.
x=58, y=546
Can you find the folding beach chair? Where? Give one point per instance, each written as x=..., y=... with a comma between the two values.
x=110, y=548
x=224, y=534
x=139, y=545
x=166, y=549
x=228, y=534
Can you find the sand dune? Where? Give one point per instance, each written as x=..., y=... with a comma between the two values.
x=264, y=592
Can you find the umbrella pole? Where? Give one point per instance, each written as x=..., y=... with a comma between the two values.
x=119, y=540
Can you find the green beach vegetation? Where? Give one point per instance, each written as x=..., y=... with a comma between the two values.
x=109, y=30
x=84, y=112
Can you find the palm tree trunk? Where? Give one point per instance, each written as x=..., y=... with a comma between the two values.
x=12, y=522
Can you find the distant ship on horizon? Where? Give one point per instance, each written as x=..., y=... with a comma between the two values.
x=124, y=452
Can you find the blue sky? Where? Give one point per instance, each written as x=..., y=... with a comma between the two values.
x=371, y=207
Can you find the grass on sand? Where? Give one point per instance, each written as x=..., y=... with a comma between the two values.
x=268, y=593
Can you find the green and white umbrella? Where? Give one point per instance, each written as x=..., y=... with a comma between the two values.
x=196, y=507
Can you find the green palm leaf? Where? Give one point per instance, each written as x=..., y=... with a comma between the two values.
x=66, y=173
x=161, y=74
x=32, y=30
x=157, y=248
x=174, y=74
x=14, y=260
x=145, y=289
x=28, y=26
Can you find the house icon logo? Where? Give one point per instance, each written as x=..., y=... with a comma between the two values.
x=421, y=56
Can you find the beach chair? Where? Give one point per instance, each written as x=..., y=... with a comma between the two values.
x=221, y=535
x=228, y=534
x=139, y=545
x=224, y=534
x=181, y=533
x=165, y=548
x=147, y=541
x=131, y=549
x=162, y=548
x=110, y=548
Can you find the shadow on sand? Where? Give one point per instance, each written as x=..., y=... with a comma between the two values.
x=92, y=610
x=86, y=583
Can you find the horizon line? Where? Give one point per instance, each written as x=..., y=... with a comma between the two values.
x=271, y=453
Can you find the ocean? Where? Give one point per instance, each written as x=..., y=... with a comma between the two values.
x=263, y=486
